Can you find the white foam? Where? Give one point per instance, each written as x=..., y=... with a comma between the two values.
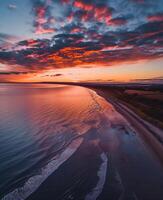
x=102, y=176
x=34, y=182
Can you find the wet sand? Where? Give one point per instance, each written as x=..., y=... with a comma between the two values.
x=151, y=135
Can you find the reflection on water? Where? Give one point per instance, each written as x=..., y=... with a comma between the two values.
x=41, y=126
x=36, y=121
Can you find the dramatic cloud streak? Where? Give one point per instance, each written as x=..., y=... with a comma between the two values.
x=156, y=17
x=88, y=33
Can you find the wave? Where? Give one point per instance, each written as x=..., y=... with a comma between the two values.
x=102, y=176
x=34, y=182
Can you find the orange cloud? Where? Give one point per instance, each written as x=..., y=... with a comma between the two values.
x=156, y=18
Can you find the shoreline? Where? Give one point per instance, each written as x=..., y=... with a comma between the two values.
x=111, y=160
x=78, y=177
x=147, y=131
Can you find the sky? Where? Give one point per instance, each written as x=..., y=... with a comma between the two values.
x=81, y=40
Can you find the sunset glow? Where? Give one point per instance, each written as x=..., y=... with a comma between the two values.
x=81, y=99
x=97, y=41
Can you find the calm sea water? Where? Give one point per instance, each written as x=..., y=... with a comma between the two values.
x=36, y=122
x=41, y=126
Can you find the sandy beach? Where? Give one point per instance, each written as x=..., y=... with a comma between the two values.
x=151, y=134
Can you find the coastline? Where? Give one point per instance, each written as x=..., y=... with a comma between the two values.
x=78, y=177
x=111, y=160
x=151, y=134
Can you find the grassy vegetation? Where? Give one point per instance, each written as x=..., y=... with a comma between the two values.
x=149, y=107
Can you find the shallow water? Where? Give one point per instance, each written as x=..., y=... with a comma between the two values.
x=36, y=121
x=39, y=125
